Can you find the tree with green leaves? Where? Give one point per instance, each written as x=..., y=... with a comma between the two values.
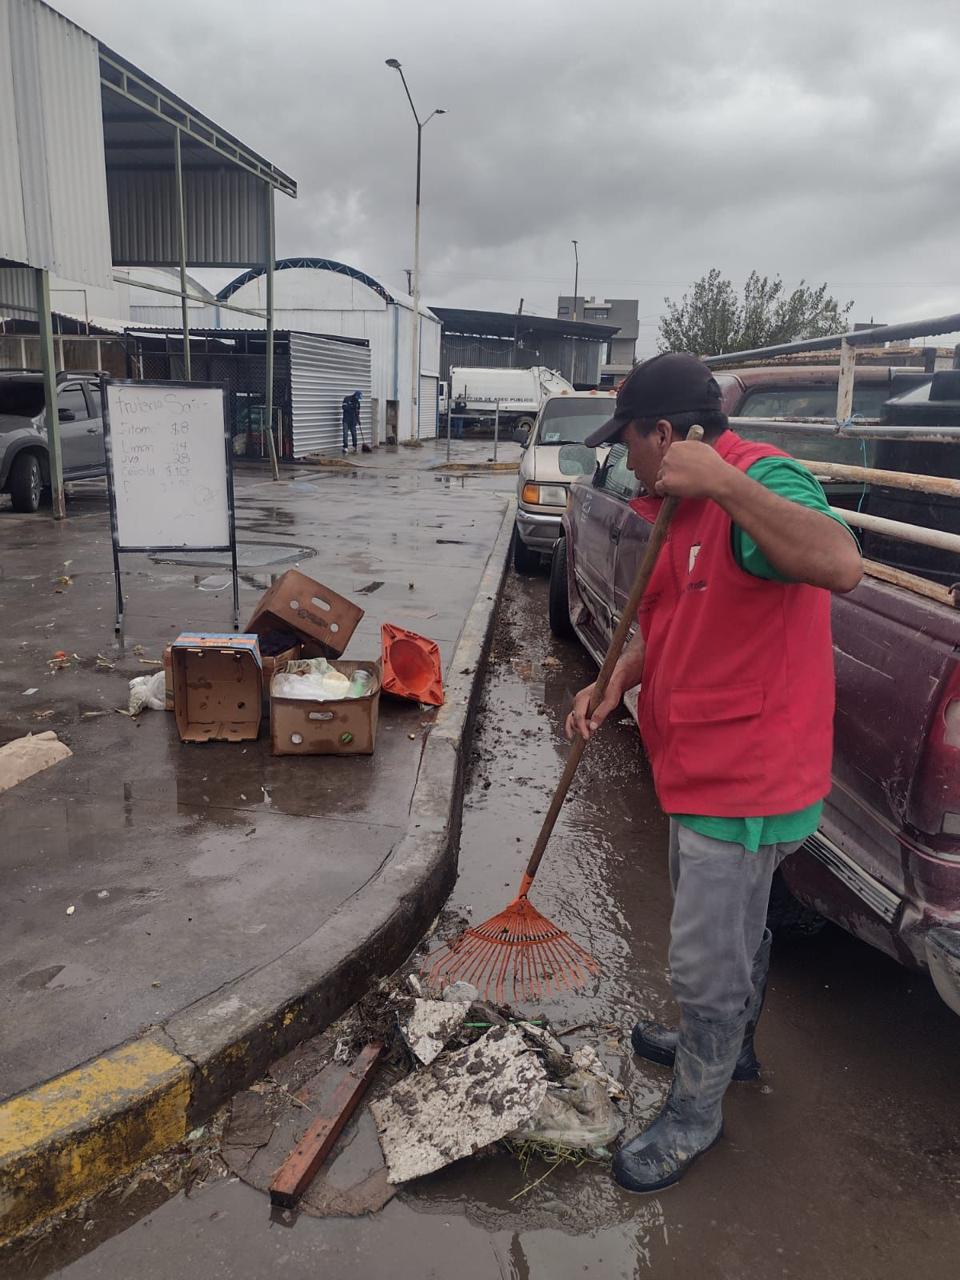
x=711, y=319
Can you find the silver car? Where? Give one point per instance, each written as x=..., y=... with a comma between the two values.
x=24, y=455
x=553, y=455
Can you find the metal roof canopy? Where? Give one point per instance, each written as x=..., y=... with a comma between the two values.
x=177, y=187
x=510, y=324
x=318, y=264
x=226, y=186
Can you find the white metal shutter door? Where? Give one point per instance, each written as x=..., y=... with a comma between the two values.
x=322, y=372
x=428, y=405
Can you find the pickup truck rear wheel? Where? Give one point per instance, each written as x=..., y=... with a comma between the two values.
x=558, y=601
x=524, y=560
x=787, y=917
x=25, y=483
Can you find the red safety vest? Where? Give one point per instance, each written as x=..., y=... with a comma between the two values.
x=736, y=705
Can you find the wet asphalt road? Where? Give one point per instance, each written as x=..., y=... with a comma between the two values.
x=840, y=1163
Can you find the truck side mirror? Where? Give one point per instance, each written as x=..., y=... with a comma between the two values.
x=521, y=435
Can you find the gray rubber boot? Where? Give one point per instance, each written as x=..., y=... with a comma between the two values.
x=691, y=1119
x=658, y=1043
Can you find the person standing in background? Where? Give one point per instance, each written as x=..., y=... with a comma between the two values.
x=351, y=418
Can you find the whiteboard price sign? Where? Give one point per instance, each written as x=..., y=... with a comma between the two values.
x=169, y=472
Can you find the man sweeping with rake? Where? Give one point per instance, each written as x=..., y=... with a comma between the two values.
x=734, y=659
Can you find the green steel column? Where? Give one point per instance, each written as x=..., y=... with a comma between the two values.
x=182, y=241
x=45, y=330
x=271, y=260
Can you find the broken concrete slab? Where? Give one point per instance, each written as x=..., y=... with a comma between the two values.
x=431, y=1025
x=461, y=1103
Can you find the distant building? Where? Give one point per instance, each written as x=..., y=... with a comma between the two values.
x=503, y=339
x=624, y=314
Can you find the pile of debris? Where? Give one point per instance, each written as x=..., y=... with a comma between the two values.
x=483, y=1076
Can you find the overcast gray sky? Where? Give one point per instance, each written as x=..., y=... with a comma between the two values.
x=818, y=140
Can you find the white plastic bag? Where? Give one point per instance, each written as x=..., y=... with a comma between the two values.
x=147, y=691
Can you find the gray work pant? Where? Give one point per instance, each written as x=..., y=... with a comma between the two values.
x=720, y=898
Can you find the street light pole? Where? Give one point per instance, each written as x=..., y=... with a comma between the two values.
x=576, y=289
x=415, y=344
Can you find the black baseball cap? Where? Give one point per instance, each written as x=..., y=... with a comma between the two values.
x=672, y=383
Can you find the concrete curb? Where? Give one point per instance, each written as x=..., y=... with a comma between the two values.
x=70, y=1137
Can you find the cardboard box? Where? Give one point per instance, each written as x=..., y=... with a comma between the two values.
x=304, y=727
x=273, y=656
x=317, y=616
x=217, y=686
x=168, y=677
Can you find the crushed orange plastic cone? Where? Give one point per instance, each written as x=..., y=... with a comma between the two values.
x=411, y=666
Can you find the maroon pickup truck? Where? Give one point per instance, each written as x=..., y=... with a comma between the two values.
x=885, y=863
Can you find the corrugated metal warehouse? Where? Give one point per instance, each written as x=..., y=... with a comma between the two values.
x=321, y=296
x=311, y=374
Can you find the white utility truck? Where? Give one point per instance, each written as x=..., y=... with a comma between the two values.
x=520, y=393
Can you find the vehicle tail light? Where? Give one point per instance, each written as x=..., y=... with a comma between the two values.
x=936, y=800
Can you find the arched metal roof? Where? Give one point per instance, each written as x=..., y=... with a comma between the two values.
x=316, y=264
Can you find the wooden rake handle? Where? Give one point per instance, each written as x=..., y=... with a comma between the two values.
x=658, y=535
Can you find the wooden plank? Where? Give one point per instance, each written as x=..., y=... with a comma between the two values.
x=946, y=486
x=910, y=582
x=301, y=1165
x=901, y=530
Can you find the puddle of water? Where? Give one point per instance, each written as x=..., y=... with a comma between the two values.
x=250, y=555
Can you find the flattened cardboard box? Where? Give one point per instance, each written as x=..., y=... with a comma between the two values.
x=217, y=686
x=322, y=620
x=344, y=727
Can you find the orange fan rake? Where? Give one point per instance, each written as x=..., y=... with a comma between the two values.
x=520, y=949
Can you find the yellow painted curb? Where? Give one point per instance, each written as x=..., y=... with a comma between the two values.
x=70, y=1137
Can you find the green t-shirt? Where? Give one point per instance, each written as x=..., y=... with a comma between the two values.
x=788, y=479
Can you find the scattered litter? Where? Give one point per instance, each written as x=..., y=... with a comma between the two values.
x=576, y=1113
x=431, y=1025
x=62, y=661
x=342, y=1051
x=27, y=692
x=70, y=910
x=23, y=757
x=317, y=680
x=416, y=986
x=458, y=991
x=104, y=664
x=90, y=715
x=196, y=1134
x=586, y=1058
x=462, y=1102
x=147, y=691
x=411, y=736
x=103, y=893
x=44, y=715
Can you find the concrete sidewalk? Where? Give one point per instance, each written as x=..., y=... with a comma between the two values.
x=226, y=902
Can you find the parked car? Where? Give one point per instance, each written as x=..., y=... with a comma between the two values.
x=885, y=863
x=24, y=452
x=553, y=455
